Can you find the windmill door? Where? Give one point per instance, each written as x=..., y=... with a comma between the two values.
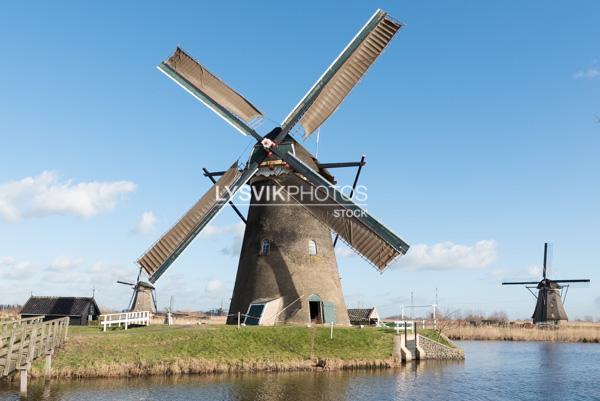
x=328, y=312
x=254, y=315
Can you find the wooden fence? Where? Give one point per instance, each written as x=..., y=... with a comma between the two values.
x=24, y=340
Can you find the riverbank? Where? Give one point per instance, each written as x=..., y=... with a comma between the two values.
x=164, y=350
x=567, y=332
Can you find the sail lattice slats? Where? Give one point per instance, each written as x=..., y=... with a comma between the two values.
x=209, y=84
x=377, y=246
x=177, y=237
x=348, y=75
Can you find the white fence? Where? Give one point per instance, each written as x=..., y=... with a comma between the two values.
x=399, y=325
x=126, y=319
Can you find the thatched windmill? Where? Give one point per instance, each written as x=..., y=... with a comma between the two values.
x=287, y=270
x=549, y=306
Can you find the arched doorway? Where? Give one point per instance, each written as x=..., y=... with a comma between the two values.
x=315, y=307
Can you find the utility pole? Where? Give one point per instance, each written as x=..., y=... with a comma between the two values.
x=412, y=305
x=435, y=305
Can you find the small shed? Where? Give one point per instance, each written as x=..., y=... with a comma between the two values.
x=366, y=317
x=80, y=310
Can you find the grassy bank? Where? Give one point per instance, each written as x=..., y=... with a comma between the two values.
x=180, y=350
x=570, y=332
x=436, y=336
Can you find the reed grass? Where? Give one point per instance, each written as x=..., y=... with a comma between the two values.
x=569, y=332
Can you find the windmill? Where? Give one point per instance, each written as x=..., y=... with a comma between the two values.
x=549, y=307
x=143, y=298
x=287, y=269
x=169, y=319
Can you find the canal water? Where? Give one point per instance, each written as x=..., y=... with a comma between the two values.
x=491, y=371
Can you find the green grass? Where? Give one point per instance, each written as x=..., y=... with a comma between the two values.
x=435, y=336
x=227, y=342
x=161, y=349
x=90, y=352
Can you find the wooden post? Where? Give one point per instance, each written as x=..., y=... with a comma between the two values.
x=19, y=361
x=331, y=332
x=31, y=349
x=23, y=384
x=48, y=366
x=9, y=353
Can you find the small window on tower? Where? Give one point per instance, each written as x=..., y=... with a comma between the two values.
x=265, y=247
x=312, y=247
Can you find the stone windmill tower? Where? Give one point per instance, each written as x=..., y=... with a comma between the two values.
x=287, y=270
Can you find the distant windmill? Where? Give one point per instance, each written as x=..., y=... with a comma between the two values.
x=549, y=306
x=170, y=312
x=143, y=298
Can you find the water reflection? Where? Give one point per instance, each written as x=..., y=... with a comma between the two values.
x=492, y=371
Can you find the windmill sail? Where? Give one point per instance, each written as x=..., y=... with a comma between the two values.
x=548, y=259
x=361, y=231
x=210, y=90
x=343, y=74
x=160, y=256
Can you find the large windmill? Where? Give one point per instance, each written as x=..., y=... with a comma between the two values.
x=549, y=306
x=287, y=269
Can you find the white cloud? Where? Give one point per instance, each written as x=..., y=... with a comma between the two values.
x=343, y=251
x=66, y=276
x=448, y=255
x=189, y=295
x=214, y=285
x=589, y=73
x=64, y=264
x=534, y=271
x=13, y=269
x=233, y=231
x=211, y=230
x=146, y=224
x=45, y=195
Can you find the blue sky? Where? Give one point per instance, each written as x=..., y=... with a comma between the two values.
x=479, y=124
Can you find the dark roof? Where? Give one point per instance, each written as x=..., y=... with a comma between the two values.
x=62, y=306
x=359, y=314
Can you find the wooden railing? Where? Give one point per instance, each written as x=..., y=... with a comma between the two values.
x=24, y=340
x=7, y=326
x=125, y=319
